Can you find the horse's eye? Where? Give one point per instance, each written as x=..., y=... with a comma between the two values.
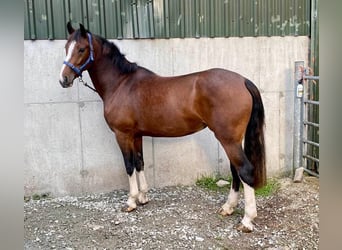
x=81, y=50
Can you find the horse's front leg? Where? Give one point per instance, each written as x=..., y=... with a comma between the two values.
x=139, y=166
x=126, y=144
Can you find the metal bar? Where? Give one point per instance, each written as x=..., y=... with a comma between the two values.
x=298, y=117
x=212, y=19
x=197, y=19
x=135, y=25
x=311, y=77
x=51, y=22
x=103, y=5
x=225, y=19
x=150, y=19
x=28, y=19
x=182, y=19
x=311, y=158
x=167, y=18
x=33, y=29
x=311, y=102
x=311, y=172
x=311, y=124
x=119, y=17
x=311, y=143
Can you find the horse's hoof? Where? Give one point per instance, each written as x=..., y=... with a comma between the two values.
x=127, y=209
x=223, y=212
x=242, y=228
x=142, y=199
x=142, y=203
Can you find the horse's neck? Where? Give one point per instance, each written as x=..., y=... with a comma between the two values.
x=105, y=78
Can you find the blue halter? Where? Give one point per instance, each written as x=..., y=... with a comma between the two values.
x=90, y=59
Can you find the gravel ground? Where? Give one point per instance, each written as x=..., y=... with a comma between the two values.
x=182, y=217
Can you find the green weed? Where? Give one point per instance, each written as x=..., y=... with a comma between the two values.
x=271, y=187
x=37, y=197
x=209, y=182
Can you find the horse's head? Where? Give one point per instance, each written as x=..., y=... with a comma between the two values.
x=79, y=55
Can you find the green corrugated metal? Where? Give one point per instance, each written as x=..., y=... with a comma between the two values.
x=46, y=19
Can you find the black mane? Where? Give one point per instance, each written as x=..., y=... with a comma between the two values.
x=118, y=59
x=113, y=53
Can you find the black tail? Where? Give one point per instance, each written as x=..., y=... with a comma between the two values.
x=254, y=138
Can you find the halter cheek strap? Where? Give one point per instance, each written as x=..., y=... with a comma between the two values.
x=79, y=70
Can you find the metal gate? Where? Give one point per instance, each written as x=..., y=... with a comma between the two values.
x=306, y=120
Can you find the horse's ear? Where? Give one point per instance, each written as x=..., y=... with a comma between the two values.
x=83, y=30
x=70, y=28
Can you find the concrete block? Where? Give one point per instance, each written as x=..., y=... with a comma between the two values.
x=299, y=175
x=52, y=149
x=222, y=183
x=277, y=56
x=103, y=167
x=185, y=56
x=85, y=93
x=231, y=54
x=286, y=103
x=155, y=55
x=43, y=61
x=271, y=105
x=183, y=160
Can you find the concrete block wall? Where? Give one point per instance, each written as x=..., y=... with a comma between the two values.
x=69, y=148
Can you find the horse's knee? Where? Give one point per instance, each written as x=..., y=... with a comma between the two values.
x=139, y=162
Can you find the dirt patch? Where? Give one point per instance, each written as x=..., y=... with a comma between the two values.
x=175, y=218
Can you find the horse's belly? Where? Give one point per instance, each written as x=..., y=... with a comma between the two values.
x=171, y=127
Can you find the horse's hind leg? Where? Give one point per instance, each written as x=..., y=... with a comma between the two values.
x=250, y=209
x=244, y=170
x=233, y=197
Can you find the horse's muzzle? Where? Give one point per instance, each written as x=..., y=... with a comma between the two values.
x=65, y=83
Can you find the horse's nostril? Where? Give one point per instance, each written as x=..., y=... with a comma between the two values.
x=62, y=83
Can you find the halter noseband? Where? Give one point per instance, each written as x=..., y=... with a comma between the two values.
x=90, y=59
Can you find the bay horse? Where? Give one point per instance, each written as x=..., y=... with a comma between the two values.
x=138, y=102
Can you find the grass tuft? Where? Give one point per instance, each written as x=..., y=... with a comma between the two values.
x=37, y=197
x=271, y=187
x=209, y=182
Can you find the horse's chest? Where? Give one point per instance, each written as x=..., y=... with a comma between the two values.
x=118, y=116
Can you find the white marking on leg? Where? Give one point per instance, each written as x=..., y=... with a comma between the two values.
x=142, y=198
x=67, y=58
x=233, y=197
x=133, y=191
x=250, y=206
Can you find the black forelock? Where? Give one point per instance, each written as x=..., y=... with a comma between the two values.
x=77, y=35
